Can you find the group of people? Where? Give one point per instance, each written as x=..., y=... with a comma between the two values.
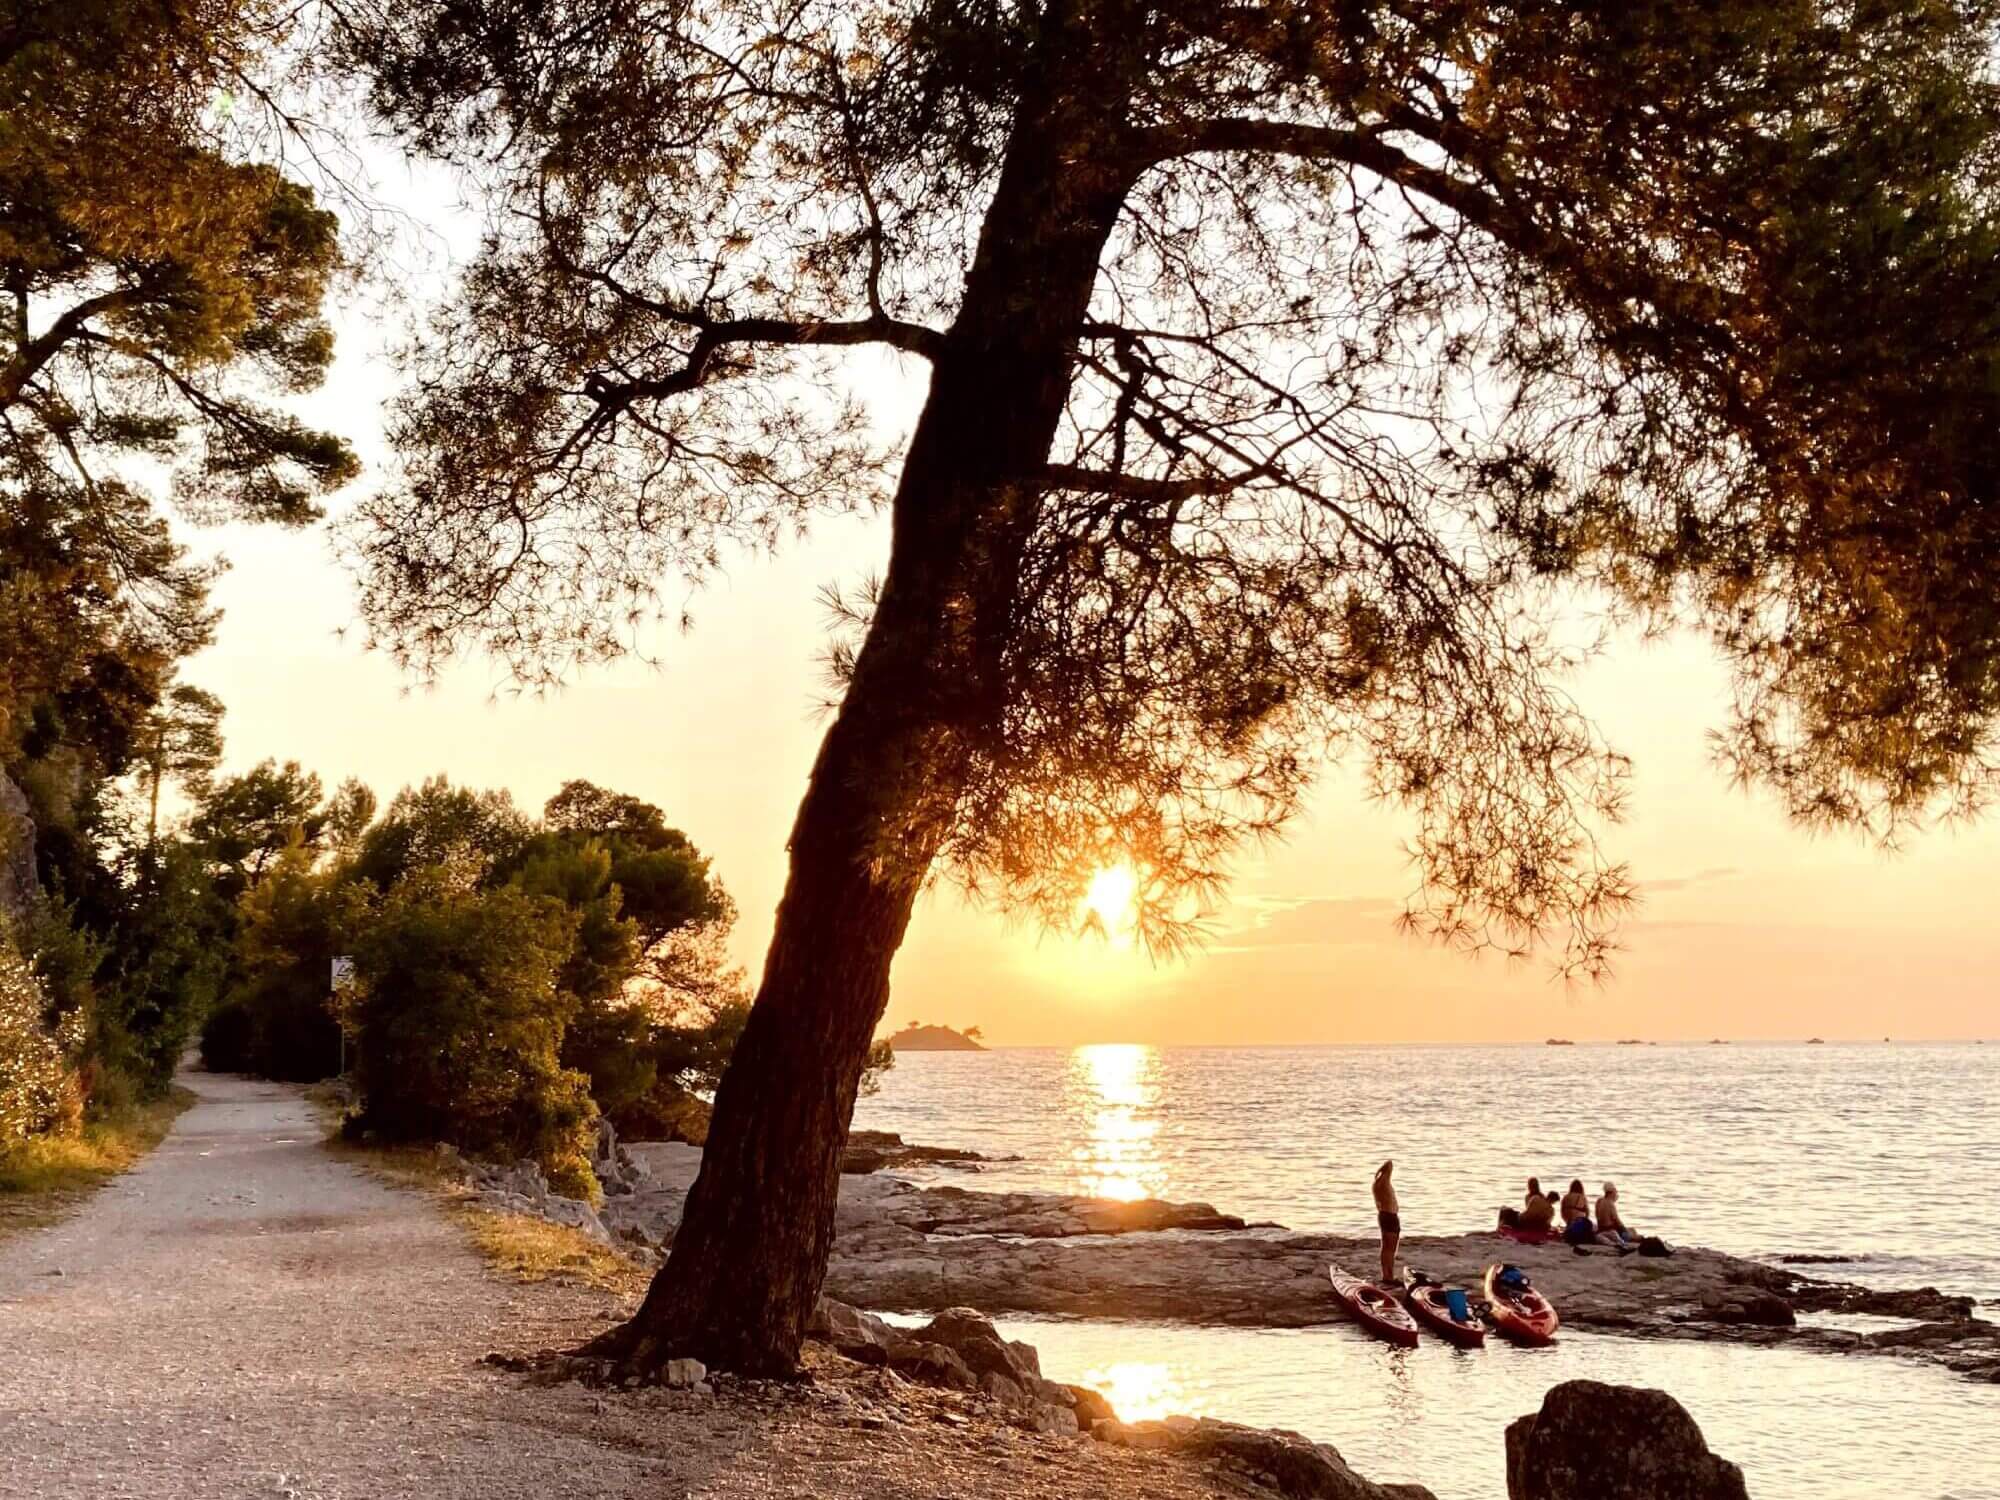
x=1581, y=1222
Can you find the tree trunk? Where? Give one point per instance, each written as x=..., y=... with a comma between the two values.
x=751, y=1252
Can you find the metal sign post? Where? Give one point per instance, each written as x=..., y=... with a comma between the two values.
x=341, y=978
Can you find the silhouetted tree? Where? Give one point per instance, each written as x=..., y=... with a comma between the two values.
x=1285, y=359
x=180, y=740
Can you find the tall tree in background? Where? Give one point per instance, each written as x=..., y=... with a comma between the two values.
x=157, y=285
x=179, y=741
x=1285, y=359
x=151, y=276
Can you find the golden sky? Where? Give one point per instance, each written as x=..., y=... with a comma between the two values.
x=1750, y=928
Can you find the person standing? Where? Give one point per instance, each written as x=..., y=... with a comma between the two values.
x=1388, y=1217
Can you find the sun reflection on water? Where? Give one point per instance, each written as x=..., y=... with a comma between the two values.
x=1142, y=1392
x=1112, y=1090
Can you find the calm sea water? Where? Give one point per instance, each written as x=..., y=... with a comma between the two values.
x=1884, y=1152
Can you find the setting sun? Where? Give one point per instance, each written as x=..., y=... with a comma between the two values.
x=1111, y=898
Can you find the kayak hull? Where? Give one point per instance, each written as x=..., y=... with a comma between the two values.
x=1374, y=1308
x=1428, y=1307
x=1522, y=1317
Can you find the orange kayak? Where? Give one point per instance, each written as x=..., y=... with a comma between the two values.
x=1520, y=1312
x=1374, y=1308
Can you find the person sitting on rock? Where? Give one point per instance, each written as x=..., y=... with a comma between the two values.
x=1510, y=1218
x=1539, y=1216
x=1575, y=1203
x=1610, y=1227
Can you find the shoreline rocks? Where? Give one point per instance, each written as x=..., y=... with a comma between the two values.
x=904, y=1248
x=884, y=1150
x=1592, y=1441
x=1270, y=1458
x=961, y=1350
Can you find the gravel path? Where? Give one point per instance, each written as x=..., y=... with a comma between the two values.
x=245, y=1314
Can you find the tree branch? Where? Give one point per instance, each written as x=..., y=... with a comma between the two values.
x=718, y=334
x=1361, y=147
x=36, y=353
x=1085, y=481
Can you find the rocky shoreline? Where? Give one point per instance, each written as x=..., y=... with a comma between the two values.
x=904, y=1248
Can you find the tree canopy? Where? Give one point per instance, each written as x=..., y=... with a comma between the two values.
x=1406, y=312
x=149, y=269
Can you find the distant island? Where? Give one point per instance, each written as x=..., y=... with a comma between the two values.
x=917, y=1037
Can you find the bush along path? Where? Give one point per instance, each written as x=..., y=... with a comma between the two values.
x=248, y=1313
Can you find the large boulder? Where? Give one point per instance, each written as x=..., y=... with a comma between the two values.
x=1276, y=1460
x=1592, y=1441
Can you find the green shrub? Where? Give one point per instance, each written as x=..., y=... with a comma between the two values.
x=40, y=1090
x=292, y=924
x=458, y=1026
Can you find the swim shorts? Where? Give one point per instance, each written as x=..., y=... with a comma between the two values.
x=1391, y=1223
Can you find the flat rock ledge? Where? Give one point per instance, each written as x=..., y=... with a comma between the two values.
x=904, y=1248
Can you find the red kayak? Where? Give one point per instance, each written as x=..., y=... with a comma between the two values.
x=1374, y=1308
x=1427, y=1304
x=1520, y=1312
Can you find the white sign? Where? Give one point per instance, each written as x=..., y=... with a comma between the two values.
x=343, y=972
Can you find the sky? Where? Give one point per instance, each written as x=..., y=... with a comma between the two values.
x=1749, y=927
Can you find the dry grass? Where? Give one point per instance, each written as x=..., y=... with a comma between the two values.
x=536, y=1250
x=523, y=1248
x=44, y=1179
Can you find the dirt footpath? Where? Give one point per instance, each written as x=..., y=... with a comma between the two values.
x=245, y=1314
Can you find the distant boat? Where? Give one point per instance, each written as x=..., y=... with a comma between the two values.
x=1558, y=1041
x=1630, y=1041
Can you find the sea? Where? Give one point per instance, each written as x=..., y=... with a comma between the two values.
x=1888, y=1153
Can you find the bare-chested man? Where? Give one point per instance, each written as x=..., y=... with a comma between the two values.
x=1387, y=1215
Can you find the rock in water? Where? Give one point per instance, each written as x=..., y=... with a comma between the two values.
x=1592, y=1441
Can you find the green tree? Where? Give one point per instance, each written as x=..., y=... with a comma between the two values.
x=437, y=824
x=458, y=1025
x=97, y=603
x=346, y=816
x=277, y=1020
x=168, y=967
x=1285, y=358
x=135, y=323
x=244, y=822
